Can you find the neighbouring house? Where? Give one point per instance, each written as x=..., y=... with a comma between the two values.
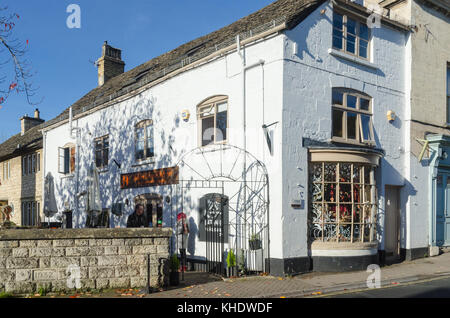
x=21, y=173
x=270, y=134
x=419, y=218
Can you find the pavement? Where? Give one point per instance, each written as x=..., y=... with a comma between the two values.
x=203, y=285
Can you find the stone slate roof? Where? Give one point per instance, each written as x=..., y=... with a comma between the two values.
x=293, y=12
x=30, y=141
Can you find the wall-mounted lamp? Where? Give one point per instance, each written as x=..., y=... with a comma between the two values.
x=391, y=116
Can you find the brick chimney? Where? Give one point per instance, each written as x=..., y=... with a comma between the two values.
x=29, y=122
x=110, y=64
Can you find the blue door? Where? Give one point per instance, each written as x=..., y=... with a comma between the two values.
x=443, y=209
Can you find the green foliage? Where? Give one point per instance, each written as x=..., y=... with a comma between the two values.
x=241, y=266
x=254, y=237
x=231, y=259
x=6, y=295
x=174, y=263
x=43, y=290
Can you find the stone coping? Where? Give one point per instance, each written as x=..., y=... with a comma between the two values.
x=316, y=245
x=51, y=234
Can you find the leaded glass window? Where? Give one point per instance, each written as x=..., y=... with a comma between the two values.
x=343, y=202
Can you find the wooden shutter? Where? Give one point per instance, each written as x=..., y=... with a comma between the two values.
x=72, y=159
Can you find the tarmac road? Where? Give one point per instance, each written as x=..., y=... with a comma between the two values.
x=432, y=288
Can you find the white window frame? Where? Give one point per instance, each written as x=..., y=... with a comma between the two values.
x=144, y=124
x=212, y=104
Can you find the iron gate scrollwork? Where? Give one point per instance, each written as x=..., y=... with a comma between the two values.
x=231, y=188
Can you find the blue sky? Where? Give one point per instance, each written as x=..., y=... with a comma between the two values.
x=143, y=29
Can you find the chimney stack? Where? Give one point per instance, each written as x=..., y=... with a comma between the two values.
x=110, y=64
x=29, y=122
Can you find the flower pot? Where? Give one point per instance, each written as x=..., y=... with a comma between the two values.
x=255, y=244
x=174, y=278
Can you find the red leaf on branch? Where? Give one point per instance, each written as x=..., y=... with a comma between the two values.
x=27, y=42
x=12, y=86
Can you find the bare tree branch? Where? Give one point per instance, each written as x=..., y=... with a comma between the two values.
x=15, y=69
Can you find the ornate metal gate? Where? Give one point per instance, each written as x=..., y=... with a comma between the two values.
x=229, y=188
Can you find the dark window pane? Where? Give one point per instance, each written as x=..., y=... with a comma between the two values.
x=221, y=125
x=363, y=31
x=337, y=39
x=365, y=122
x=363, y=49
x=98, y=159
x=105, y=157
x=364, y=104
x=337, y=123
x=337, y=21
x=351, y=26
x=351, y=43
x=351, y=126
x=337, y=97
x=207, y=131
x=351, y=101
x=66, y=160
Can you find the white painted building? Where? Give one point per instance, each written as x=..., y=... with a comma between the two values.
x=319, y=151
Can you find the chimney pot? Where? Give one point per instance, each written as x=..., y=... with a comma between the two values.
x=36, y=114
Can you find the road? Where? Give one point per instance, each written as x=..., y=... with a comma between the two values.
x=436, y=288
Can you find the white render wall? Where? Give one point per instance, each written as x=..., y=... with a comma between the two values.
x=309, y=77
x=164, y=104
x=291, y=89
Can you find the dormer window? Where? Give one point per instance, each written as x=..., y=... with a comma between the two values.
x=350, y=35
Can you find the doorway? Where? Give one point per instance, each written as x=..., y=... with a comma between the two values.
x=392, y=224
x=442, y=219
x=153, y=208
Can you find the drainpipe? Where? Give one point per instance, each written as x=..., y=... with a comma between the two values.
x=44, y=153
x=77, y=162
x=245, y=67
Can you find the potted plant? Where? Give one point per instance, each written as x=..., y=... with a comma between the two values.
x=255, y=242
x=231, y=263
x=174, y=270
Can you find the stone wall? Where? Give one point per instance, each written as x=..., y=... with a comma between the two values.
x=104, y=258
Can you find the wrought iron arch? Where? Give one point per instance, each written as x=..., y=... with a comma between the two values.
x=243, y=179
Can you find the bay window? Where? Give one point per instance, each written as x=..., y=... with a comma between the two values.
x=343, y=202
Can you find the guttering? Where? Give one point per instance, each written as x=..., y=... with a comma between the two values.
x=201, y=61
x=363, y=13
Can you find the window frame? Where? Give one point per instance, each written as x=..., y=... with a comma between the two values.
x=345, y=109
x=357, y=36
x=144, y=124
x=448, y=92
x=71, y=166
x=367, y=204
x=102, y=139
x=212, y=102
